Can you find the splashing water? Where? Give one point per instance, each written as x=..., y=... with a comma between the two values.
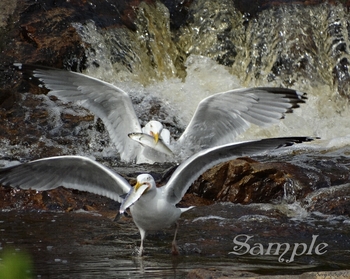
x=301, y=58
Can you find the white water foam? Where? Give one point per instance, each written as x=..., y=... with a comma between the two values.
x=324, y=114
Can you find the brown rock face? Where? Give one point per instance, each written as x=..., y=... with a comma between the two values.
x=41, y=32
x=246, y=180
x=242, y=181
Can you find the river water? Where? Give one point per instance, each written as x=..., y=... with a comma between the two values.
x=74, y=244
x=264, y=51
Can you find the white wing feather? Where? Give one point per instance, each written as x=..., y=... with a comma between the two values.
x=221, y=117
x=105, y=100
x=73, y=172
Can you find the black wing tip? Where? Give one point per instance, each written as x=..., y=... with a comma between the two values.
x=295, y=97
x=289, y=92
x=28, y=72
x=31, y=68
x=289, y=141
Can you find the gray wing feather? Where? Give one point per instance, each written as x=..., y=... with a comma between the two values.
x=194, y=166
x=105, y=100
x=236, y=109
x=73, y=172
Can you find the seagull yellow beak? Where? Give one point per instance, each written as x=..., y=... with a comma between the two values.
x=143, y=186
x=137, y=186
x=156, y=137
x=134, y=194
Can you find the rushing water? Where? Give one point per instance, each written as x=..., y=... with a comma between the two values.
x=302, y=47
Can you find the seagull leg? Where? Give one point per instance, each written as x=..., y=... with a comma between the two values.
x=174, y=249
x=143, y=235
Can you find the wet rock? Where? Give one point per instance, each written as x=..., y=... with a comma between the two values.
x=29, y=125
x=333, y=200
x=246, y=181
x=249, y=181
x=42, y=33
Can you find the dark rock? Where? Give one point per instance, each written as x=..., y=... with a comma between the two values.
x=246, y=181
x=335, y=200
x=41, y=32
x=323, y=188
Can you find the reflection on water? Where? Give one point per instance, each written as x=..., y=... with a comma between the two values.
x=78, y=244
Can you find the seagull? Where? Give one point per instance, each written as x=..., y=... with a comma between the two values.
x=217, y=120
x=152, y=208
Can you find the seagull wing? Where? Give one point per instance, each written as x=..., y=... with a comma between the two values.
x=73, y=172
x=105, y=100
x=221, y=117
x=194, y=166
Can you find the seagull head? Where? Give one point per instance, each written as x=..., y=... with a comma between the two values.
x=144, y=180
x=144, y=183
x=153, y=128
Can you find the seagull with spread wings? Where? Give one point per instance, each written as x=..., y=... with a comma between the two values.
x=217, y=120
x=152, y=208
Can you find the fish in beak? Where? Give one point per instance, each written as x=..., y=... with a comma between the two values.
x=147, y=140
x=134, y=194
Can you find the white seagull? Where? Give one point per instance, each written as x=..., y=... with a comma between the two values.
x=152, y=208
x=217, y=120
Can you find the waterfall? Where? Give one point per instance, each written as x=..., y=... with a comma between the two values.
x=218, y=49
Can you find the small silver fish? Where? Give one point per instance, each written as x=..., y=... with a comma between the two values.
x=133, y=195
x=147, y=140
